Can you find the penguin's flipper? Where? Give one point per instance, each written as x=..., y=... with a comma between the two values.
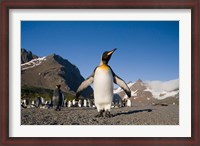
x=84, y=85
x=122, y=84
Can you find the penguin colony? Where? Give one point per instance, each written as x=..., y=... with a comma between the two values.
x=37, y=103
x=102, y=79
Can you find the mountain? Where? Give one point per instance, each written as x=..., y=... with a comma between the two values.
x=47, y=72
x=27, y=56
x=151, y=92
x=161, y=90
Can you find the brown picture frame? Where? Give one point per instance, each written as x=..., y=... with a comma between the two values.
x=6, y=5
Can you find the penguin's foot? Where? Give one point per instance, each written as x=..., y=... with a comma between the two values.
x=108, y=114
x=100, y=114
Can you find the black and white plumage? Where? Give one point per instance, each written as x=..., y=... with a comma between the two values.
x=39, y=101
x=58, y=98
x=102, y=79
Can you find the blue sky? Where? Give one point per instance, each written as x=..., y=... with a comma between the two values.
x=148, y=50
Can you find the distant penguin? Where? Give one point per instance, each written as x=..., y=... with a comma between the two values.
x=102, y=79
x=69, y=104
x=57, y=98
x=24, y=103
x=128, y=103
x=80, y=103
x=48, y=104
x=89, y=103
x=120, y=103
x=74, y=102
x=85, y=103
x=112, y=105
x=66, y=103
x=39, y=102
x=33, y=103
x=42, y=101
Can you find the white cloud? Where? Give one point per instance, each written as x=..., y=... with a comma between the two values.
x=163, y=86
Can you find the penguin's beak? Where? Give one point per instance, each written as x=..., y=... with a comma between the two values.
x=111, y=52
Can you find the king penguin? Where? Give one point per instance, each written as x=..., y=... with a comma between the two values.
x=102, y=79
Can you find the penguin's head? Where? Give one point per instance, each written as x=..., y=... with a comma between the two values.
x=107, y=55
x=58, y=86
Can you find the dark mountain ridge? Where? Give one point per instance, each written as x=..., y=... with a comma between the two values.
x=49, y=71
x=142, y=94
x=27, y=56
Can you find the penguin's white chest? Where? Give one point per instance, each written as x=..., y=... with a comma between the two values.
x=103, y=87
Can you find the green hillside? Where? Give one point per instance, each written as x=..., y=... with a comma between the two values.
x=28, y=92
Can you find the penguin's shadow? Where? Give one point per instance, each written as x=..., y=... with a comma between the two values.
x=133, y=112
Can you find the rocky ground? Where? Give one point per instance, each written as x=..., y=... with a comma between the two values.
x=137, y=115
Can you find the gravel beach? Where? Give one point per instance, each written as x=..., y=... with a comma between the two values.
x=136, y=115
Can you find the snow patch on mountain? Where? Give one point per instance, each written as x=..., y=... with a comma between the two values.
x=33, y=63
x=158, y=89
x=162, y=90
x=160, y=86
x=119, y=89
x=162, y=94
x=133, y=94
